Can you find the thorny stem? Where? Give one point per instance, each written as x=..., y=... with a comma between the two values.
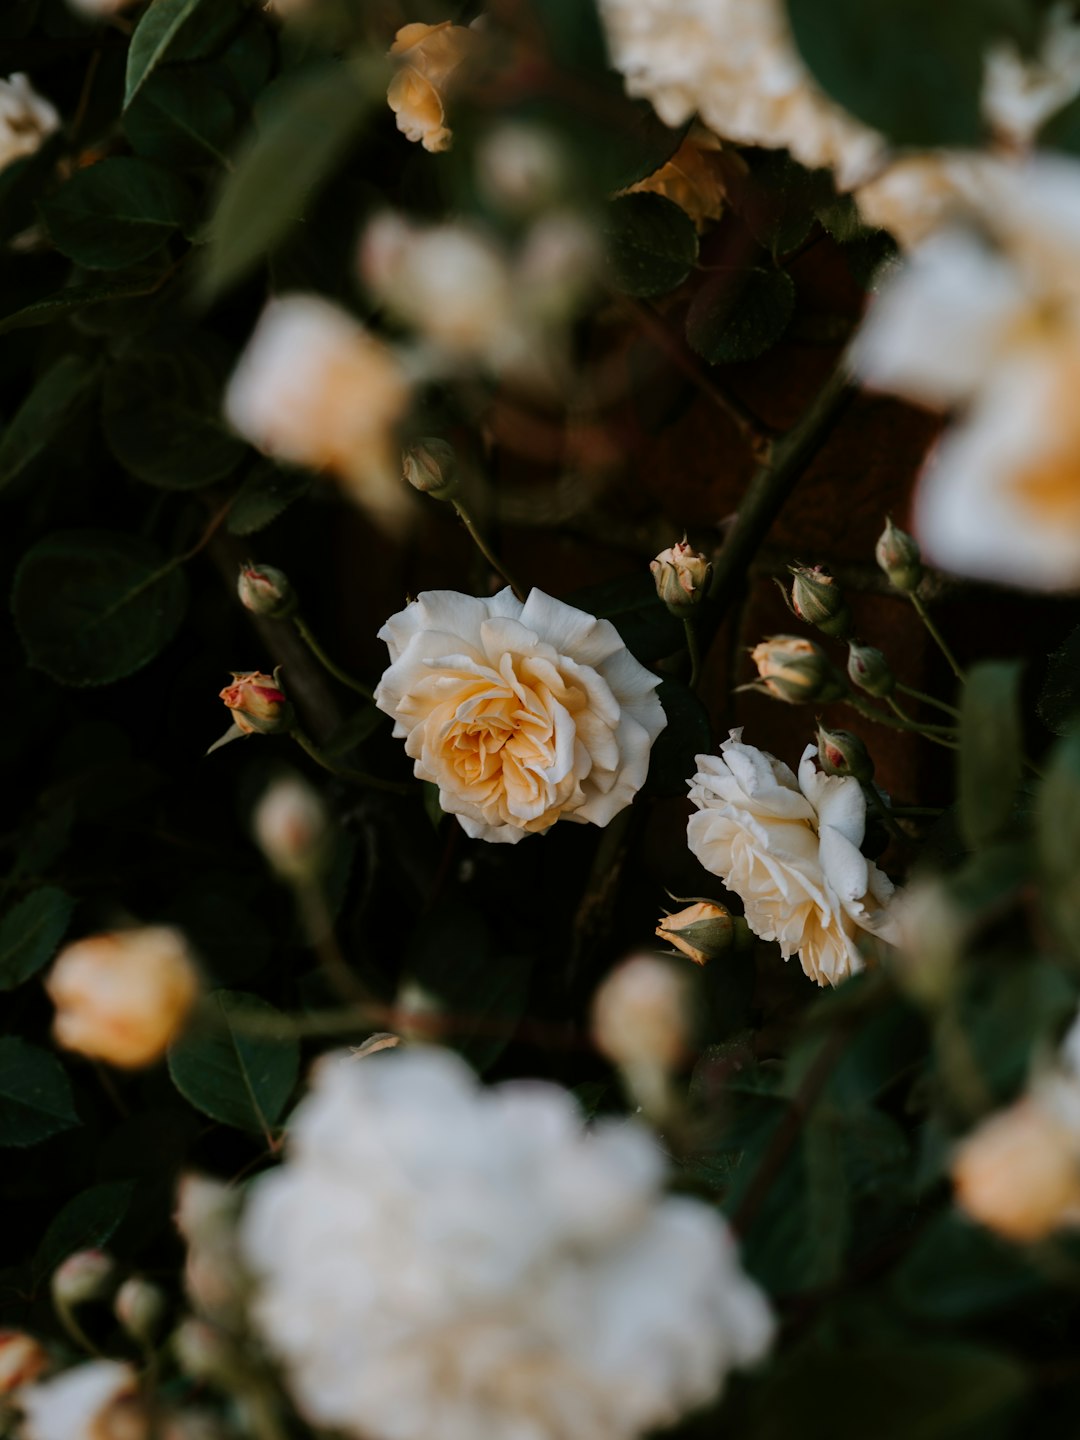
x=928, y=699
x=344, y=772
x=693, y=650
x=936, y=636
x=305, y=632
x=485, y=549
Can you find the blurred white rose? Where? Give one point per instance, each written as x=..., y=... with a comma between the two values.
x=437, y=1261
x=95, y=1401
x=522, y=714
x=790, y=850
x=26, y=119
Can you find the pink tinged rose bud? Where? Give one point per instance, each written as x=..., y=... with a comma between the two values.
x=22, y=1359
x=842, y=753
x=868, y=668
x=702, y=931
x=87, y=1275
x=123, y=996
x=898, y=554
x=1018, y=1173
x=817, y=599
x=258, y=703
x=96, y=1401
x=430, y=466
x=682, y=577
x=291, y=826
x=267, y=591
x=428, y=56
x=796, y=670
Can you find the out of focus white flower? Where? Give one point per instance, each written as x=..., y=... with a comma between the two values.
x=290, y=825
x=315, y=388
x=22, y=1359
x=26, y=119
x=96, y=1401
x=987, y=316
x=734, y=63
x=1018, y=1172
x=641, y=1021
x=427, y=55
x=1019, y=93
x=917, y=194
x=437, y=1261
x=521, y=167
x=100, y=9
x=790, y=850
x=206, y=1216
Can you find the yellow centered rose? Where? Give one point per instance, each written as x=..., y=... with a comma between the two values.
x=521, y=714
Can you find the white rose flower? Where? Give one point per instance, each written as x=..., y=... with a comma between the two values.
x=437, y=1261
x=88, y=1402
x=521, y=714
x=26, y=119
x=1021, y=94
x=790, y=850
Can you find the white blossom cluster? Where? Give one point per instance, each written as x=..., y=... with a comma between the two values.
x=439, y=1261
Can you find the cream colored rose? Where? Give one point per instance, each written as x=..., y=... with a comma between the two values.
x=121, y=997
x=790, y=850
x=521, y=714
x=429, y=55
x=26, y=119
x=1018, y=1173
x=315, y=388
x=95, y=1401
x=22, y=1359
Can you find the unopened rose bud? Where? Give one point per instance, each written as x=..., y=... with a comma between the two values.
x=796, y=670
x=204, y=1352
x=817, y=599
x=898, y=554
x=258, y=703
x=868, y=668
x=430, y=466
x=521, y=167
x=682, y=577
x=291, y=827
x=22, y=1359
x=842, y=753
x=265, y=590
x=702, y=931
x=639, y=1015
x=140, y=1308
x=1018, y=1173
x=122, y=997
x=87, y=1275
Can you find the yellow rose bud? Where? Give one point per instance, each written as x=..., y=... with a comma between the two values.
x=22, y=1359
x=121, y=997
x=796, y=670
x=266, y=591
x=428, y=56
x=702, y=931
x=1018, y=1173
x=258, y=703
x=682, y=577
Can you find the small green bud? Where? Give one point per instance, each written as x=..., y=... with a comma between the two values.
x=430, y=466
x=869, y=670
x=899, y=556
x=817, y=599
x=266, y=591
x=842, y=753
x=797, y=670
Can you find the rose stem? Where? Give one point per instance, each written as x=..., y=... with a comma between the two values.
x=485, y=550
x=882, y=719
x=692, y=649
x=359, y=777
x=305, y=633
x=927, y=699
x=936, y=636
x=917, y=724
x=883, y=813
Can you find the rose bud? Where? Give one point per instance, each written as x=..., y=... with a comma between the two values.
x=87, y=1275
x=1018, y=1173
x=22, y=1359
x=842, y=753
x=898, y=554
x=868, y=668
x=291, y=825
x=430, y=466
x=258, y=703
x=702, y=931
x=140, y=1308
x=266, y=591
x=205, y=1352
x=521, y=167
x=121, y=997
x=817, y=599
x=682, y=576
x=796, y=670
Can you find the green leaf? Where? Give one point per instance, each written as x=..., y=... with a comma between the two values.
x=958, y=1271
x=92, y=606
x=162, y=419
x=182, y=117
x=117, y=212
x=243, y=1080
x=307, y=127
x=87, y=1222
x=1059, y=699
x=991, y=749
x=51, y=402
x=74, y=298
x=686, y=735
x=738, y=321
x=156, y=34
x=30, y=933
x=266, y=492
x=35, y=1096
x=651, y=244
